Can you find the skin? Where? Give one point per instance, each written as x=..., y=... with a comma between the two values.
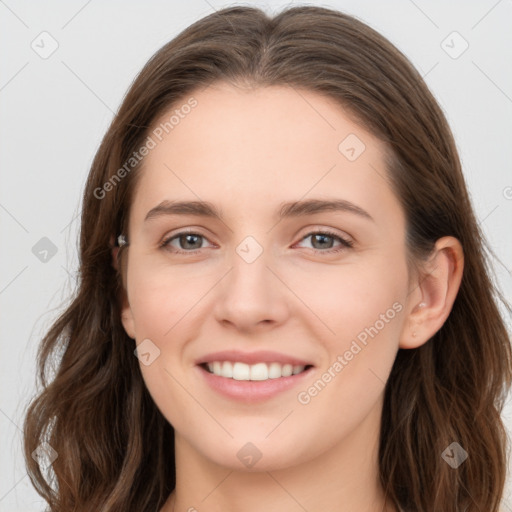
x=247, y=151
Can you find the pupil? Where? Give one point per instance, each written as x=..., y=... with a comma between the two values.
x=187, y=237
x=321, y=237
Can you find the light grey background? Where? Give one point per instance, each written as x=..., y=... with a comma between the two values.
x=55, y=110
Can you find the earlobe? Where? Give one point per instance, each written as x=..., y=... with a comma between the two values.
x=435, y=293
x=115, y=250
x=127, y=317
x=126, y=312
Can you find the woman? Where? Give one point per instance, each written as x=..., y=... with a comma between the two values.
x=330, y=340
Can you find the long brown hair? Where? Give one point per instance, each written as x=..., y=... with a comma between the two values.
x=115, y=449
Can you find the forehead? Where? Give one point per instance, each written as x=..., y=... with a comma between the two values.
x=252, y=147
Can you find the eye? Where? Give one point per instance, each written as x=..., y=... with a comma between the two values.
x=190, y=242
x=185, y=240
x=321, y=239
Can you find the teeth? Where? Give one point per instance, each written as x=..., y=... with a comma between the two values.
x=274, y=371
x=227, y=369
x=286, y=370
x=297, y=369
x=259, y=371
x=241, y=371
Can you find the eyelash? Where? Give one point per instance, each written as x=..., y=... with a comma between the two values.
x=345, y=244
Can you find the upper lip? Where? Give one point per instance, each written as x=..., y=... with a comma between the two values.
x=262, y=356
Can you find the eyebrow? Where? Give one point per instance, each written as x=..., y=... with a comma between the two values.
x=286, y=210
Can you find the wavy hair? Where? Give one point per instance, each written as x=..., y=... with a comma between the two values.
x=115, y=449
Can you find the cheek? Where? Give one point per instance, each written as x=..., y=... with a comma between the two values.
x=349, y=299
x=361, y=309
x=166, y=308
x=162, y=309
x=160, y=297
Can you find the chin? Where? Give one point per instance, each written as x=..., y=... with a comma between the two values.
x=262, y=454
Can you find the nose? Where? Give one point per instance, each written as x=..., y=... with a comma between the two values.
x=252, y=296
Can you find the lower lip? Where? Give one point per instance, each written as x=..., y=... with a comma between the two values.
x=252, y=390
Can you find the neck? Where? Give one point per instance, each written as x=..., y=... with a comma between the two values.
x=346, y=476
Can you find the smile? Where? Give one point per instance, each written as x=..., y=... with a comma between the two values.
x=253, y=372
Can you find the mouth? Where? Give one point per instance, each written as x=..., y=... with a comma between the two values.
x=253, y=372
x=252, y=377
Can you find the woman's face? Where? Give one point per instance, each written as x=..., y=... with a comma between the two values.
x=259, y=292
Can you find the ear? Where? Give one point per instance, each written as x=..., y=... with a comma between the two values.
x=127, y=317
x=126, y=311
x=114, y=250
x=434, y=294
